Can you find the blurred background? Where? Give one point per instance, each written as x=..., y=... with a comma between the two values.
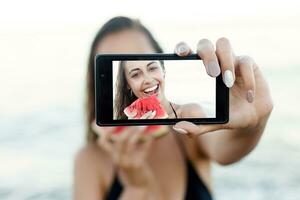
x=43, y=58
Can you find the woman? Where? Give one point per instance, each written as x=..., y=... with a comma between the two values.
x=174, y=166
x=138, y=79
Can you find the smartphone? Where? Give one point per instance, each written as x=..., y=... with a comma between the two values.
x=155, y=89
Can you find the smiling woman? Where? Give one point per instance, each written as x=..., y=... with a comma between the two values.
x=173, y=166
x=141, y=79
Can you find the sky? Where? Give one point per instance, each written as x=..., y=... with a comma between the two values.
x=34, y=12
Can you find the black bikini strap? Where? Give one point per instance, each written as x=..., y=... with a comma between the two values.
x=173, y=110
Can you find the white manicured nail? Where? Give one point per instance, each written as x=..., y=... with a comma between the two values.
x=228, y=78
x=182, y=49
x=213, y=68
x=180, y=130
x=154, y=113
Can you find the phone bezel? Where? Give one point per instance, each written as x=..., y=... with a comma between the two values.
x=104, y=92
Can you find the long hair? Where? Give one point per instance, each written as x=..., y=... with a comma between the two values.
x=124, y=96
x=114, y=25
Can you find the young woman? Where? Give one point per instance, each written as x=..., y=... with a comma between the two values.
x=138, y=79
x=174, y=166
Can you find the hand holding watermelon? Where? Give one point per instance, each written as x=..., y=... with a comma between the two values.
x=146, y=108
x=127, y=153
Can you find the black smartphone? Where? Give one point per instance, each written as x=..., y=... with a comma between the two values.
x=153, y=89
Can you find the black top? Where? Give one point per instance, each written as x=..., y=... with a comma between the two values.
x=195, y=189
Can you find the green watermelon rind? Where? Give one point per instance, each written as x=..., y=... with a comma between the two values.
x=156, y=134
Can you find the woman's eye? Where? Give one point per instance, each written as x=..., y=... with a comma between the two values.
x=134, y=75
x=153, y=68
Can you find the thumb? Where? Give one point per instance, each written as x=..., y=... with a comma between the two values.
x=186, y=127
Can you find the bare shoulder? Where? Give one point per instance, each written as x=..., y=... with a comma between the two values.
x=92, y=172
x=191, y=110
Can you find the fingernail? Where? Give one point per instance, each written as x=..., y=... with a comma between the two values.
x=250, y=96
x=228, y=78
x=213, y=68
x=182, y=49
x=154, y=113
x=180, y=130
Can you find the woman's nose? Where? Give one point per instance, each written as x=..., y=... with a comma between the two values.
x=148, y=79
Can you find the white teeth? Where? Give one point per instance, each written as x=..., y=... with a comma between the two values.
x=151, y=89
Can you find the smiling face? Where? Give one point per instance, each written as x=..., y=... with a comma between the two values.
x=145, y=78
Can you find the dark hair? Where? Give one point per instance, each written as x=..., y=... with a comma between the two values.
x=114, y=25
x=124, y=96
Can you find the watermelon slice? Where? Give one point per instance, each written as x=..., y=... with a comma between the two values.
x=143, y=105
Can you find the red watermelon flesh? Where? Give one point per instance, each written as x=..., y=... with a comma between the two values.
x=143, y=105
x=138, y=108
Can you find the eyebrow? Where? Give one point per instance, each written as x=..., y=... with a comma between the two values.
x=151, y=63
x=136, y=69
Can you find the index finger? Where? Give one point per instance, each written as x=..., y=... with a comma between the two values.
x=206, y=51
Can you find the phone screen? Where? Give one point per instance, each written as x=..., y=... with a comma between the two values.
x=180, y=82
x=152, y=89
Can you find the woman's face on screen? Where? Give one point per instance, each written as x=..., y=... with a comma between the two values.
x=145, y=78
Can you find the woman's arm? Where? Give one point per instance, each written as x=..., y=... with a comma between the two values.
x=227, y=146
x=230, y=145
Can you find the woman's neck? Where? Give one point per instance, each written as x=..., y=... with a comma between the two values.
x=166, y=106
